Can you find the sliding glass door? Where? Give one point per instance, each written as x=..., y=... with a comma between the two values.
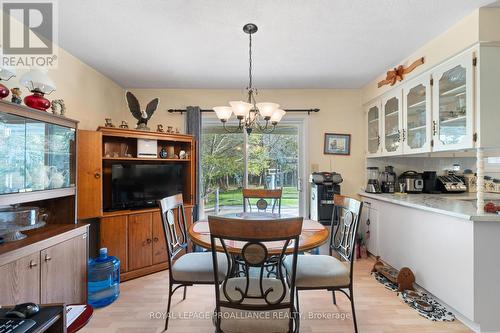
x=231, y=162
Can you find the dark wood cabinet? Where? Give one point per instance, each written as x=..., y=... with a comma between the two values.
x=159, y=243
x=20, y=280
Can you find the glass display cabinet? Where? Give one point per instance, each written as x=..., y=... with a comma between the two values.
x=417, y=116
x=373, y=119
x=452, y=120
x=392, y=124
x=37, y=153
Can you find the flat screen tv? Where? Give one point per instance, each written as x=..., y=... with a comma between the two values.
x=135, y=186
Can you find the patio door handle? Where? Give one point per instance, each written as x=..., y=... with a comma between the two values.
x=299, y=184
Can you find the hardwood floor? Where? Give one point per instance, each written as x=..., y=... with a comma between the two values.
x=378, y=309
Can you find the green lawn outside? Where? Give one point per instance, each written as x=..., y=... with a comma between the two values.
x=233, y=197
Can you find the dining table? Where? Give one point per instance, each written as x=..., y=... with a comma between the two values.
x=313, y=233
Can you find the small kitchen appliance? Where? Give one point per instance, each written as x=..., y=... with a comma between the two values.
x=451, y=183
x=388, y=180
x=323, y=186
x=412, y=180
x=147, y=148
x=430, y=182
x=373, y=185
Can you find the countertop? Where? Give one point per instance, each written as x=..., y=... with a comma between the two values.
x=458, y=205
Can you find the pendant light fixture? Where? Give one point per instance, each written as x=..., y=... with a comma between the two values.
x=250, y=114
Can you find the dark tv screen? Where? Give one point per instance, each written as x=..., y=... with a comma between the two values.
x=135, y=186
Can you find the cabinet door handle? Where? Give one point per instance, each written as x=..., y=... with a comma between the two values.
x=404, y=134
x=33, y=264
x=48, y=258
x=156, y=239
x=399, y=136
x=97, y=175
x=434, y=127
x=149, y=241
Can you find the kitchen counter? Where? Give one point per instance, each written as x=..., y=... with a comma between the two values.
x=458, y=205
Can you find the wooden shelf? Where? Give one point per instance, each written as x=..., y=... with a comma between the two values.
x=145, y=159
x=44, y=116
x=135, y=134
x=17, y=198
x=452, y=120
x=137, y=211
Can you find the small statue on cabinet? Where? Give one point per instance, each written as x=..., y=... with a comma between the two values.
x=160, y=129
x=62, y=107
x=170, y=129
x=108, y=123
x=124, y=124
x=182, y=154
x=177, y=130
x=16, y=95
x=142, y=116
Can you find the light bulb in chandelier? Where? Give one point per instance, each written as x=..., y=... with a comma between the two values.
x=223, y=112
x=240, y=109
x=277, y=115
x=266, y=110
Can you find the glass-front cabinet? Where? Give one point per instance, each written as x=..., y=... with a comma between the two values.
x=453, y=104
x=417, y=116
x=373, y=129
x=392, y=123
x=35, y=155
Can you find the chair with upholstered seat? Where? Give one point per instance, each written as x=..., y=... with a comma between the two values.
x=186, y=268
x=265, y=198
x=326, y=271
x=251, y=300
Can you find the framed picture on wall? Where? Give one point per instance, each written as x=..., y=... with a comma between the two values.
x=337, y=144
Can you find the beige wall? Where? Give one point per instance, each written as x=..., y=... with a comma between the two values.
x=460, y=36
x=340, y=113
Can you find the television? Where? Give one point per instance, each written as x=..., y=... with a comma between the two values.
x=135, y=186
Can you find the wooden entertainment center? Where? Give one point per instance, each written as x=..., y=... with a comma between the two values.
x=134, y=236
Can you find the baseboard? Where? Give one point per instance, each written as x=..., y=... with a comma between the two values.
x=143, y=271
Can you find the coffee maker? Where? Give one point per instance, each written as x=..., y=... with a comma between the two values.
x=388, y=180
x=324, y=185
x=373, y=185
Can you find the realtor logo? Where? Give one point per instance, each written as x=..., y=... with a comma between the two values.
x=28, y=33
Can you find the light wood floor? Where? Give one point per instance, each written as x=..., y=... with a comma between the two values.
x=378, y=309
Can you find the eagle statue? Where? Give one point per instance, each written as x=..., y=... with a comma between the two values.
x=142, y=116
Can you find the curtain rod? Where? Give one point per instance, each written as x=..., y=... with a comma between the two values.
x=309, y=111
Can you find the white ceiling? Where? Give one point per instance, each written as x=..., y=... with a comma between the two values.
x=300, y=43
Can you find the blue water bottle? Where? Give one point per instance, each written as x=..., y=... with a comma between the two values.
x=103, y=279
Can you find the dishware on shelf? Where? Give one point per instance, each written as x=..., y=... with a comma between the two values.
x=15, y=219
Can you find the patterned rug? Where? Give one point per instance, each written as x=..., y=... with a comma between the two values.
x=439, y=311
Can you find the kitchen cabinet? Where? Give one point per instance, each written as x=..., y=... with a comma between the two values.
x=417, y=115
x=20, y=282
x=113, y=235
x=392, y=123
x=373, y=128
x=64, y=262
x=368, y=227
x=453, y=87
x=159, y=242
x=140, y=234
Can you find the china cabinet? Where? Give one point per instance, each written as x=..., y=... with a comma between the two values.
x=392, y=123
x=417, y=116
x=452, y=124
x=373, y=129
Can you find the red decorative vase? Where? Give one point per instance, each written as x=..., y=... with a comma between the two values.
x=4, y=91
x=37, y=101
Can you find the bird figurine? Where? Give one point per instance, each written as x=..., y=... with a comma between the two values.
x=142, y=116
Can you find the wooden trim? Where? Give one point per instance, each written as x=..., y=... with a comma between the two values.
x=137, y=211
x=261, y=193
x=24, y=111
x=131, y=133
x=143, y=271
x=39, y=239
x=22, y=197
x=157, y=159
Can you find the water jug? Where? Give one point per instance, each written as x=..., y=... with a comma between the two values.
x=103, y=279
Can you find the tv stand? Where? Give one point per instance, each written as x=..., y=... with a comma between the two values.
x=133, y=235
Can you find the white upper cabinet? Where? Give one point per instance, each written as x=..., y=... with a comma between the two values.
x=392, y=123
x=417, y=115
x=373, y=129
x=452, y=124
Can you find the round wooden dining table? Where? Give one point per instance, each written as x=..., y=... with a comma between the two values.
x=313, y=234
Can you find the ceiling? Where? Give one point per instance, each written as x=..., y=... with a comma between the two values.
x=300, y=43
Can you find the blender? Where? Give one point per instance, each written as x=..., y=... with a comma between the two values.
x=388, y=180
x=373, y=185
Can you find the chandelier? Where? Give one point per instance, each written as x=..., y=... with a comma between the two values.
x=250, y=114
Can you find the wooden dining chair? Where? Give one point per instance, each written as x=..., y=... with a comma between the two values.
x=186, y=268
x=326, y=271
x=252, y=301
x=265, y=199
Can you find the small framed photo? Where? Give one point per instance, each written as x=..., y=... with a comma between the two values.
x=337, y=144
